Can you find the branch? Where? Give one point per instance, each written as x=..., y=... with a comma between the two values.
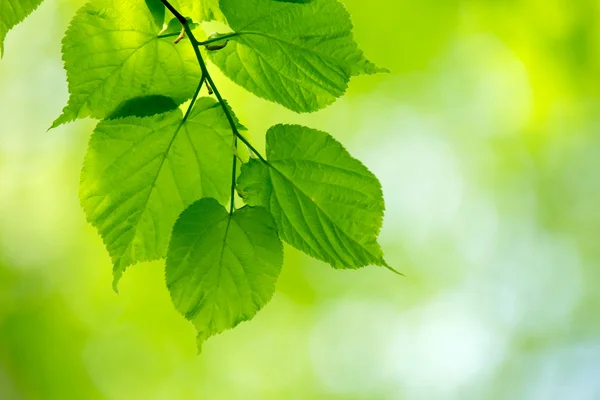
x=209, y=80
x=176, y=13
x=211, y=84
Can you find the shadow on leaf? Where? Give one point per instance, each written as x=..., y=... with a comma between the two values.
x=144, y=107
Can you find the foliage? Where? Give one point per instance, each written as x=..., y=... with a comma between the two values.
x=11, y=13
x=325, y=202
x=156, y=179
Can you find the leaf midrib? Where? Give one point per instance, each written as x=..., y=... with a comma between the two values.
x=376, y=258
x=151, y=190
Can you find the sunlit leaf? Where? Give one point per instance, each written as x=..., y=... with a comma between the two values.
x=11, y=13
x=299, y=55
x=324, y=202
x=221, y=268
x=140, y=173
x=112, y=53
x=199, y=10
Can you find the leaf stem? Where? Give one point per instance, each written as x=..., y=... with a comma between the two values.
x=209, y=80
x=225, y=108
x=211, y=84
x=166, y=35
x=176, y=13
x=233, y=173
x=194, y=97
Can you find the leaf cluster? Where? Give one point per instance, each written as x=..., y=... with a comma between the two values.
x=163, y=163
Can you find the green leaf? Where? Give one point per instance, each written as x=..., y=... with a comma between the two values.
x=11, y=13
x=299, y=55
x=325, y=203
x=221, y=268
x=140, y=173
x=112, y=54
x=158, y=11
x=199, y=10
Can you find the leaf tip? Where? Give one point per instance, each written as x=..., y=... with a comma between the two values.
x=371, y=69
x=200, y=339
x=55, y=124
x=116, y=278
x=62, y=119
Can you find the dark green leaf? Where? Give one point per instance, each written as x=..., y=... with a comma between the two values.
x=144, y=107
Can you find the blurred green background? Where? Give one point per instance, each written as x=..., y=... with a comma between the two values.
x=486, y=137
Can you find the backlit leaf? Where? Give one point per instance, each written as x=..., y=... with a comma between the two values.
x=199, y=10
x=11, y=13
x=112, y=53
x=300, y=55
x=221, y=268
x=324, y=202
x=140, y=173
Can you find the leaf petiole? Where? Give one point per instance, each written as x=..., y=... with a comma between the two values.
x=194, y=97
x=166, y=35
x=218, y=39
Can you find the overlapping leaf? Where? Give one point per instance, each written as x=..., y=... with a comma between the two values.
x=199, y=10
x=221, y=268
x=300, y=55
x=11, y=13
x=112, y=53
x=140, y=173
x=324, y=202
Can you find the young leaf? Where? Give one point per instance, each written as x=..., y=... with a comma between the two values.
x=324, y=202
x=221, y=268
x=140, y=173
x=299, y=55
x=11, y=13
x=112, y=53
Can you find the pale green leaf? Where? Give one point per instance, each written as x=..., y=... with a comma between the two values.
x=199, y=10
x=11, y=13
x=140, y=173
x=324, y=202
x=221, y=268
x=299, y=55
x=112, y=53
